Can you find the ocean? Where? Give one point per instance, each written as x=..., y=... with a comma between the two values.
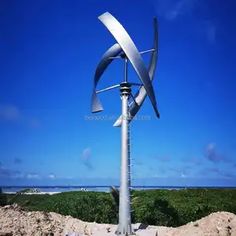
x=59, y=189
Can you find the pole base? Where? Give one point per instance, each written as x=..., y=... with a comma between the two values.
x=124, y=234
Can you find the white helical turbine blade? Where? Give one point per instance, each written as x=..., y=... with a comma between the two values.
x=142, y=94
x=113, y=51
x=131, y=52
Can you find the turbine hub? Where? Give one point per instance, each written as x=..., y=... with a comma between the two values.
x=125, y=88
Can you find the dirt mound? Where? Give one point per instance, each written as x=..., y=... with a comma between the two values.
x=216, y=224
x=15, y=221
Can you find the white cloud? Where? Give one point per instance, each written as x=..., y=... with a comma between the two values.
x=213, y=155
x=12, y=113
x=86, y=154
x=86, y=158
x=34, y=123
x=210, y=147
x=32, y=176
x=52, y=176
x=176, y=10
x=183, y=175
x=211, y=32
x=9, y=113
x=9, y=173
x=172, y=9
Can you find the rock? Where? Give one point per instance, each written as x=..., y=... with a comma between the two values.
x=5, y=234
x=72, y=234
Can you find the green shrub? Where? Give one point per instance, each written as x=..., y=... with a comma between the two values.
x=154, y=207
x=3, y=198
x=154, y=210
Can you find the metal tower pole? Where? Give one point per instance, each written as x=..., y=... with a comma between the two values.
x=126, y=49
x=124, y=227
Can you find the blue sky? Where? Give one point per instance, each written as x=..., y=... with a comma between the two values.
x=49, y=52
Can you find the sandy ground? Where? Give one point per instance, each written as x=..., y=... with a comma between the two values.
x=16, y=221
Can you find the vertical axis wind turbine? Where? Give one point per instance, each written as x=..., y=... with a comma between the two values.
x=125, y=49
